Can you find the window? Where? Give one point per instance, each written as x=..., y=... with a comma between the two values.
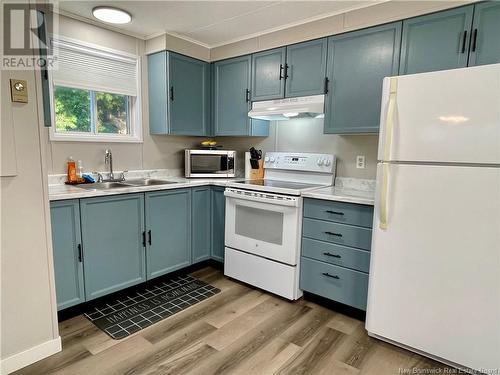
x=94, y=95
x=91, y=112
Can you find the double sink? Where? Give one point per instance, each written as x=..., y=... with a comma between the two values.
x=124, y=184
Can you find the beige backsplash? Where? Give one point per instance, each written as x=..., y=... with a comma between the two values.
x=167, y=152
x=307, y=136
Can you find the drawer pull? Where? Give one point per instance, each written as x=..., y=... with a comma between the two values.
x=335, y=212
x=332, y=276
x=332, y=255
x=334, y=234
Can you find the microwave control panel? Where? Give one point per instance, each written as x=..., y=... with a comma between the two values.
x=297, y=161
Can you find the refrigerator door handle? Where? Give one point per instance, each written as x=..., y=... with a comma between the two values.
x=383, y=209
x=393, y=88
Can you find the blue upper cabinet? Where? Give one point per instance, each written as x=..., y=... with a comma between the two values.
x=231, y=99
x=201, y=218
x=306, y=68
x=179, y=95
x=112, y=234
x=357, y=64
x=68, y=255
x=436, y=41
x=168, y=234
x=485, y=37
x=268, y=74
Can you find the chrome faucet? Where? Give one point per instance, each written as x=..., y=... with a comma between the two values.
x=108, y=159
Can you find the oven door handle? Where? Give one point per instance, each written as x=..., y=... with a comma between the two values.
x=278, y=202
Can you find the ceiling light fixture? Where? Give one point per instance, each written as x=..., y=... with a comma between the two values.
x=111, y=15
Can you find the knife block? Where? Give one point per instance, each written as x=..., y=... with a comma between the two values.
x=253, y=174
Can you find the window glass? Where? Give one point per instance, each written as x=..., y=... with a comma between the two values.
x=112, y=113
x=72, y=110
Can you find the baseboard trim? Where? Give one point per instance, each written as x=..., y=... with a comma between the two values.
x=32, y=355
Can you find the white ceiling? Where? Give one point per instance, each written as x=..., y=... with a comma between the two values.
x=213, y=23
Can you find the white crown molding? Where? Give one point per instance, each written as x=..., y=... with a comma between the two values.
x=297, y=23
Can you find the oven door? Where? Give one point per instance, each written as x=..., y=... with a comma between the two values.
x=263, y=224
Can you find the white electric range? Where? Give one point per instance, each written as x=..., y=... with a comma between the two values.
x=264, y=220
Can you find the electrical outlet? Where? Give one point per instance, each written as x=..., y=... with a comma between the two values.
x=360, y=161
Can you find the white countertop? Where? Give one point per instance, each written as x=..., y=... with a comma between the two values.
x=61, y=191
x=345, y=190
x=342, y=194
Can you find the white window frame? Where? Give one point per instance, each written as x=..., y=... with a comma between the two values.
x=135, y=106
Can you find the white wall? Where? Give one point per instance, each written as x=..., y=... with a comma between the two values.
x=156, y=151
x=28, y=322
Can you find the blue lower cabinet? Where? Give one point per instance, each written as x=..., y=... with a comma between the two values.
x=341, y=234
x=218, y=222
x=339, y=255
x=112, y=234
x=67, y=246
x=201, y=218
x=168, y=235
x=340, y=284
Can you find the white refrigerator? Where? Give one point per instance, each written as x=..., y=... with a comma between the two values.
x=435, y=265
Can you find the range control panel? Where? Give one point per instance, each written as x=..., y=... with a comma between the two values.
x=298, y=161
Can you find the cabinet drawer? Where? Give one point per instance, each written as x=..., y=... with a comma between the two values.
x=336, y=254
x=339, y=212
x=338, y=233
x=336, y=283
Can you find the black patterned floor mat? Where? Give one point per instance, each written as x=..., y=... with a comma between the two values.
x=123, y=316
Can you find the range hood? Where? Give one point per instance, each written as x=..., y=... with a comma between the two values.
x=291, y=108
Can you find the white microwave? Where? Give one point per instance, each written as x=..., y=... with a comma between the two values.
x=210, y=163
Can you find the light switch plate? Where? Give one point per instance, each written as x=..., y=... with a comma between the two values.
x=360, y=162
x=19, y=91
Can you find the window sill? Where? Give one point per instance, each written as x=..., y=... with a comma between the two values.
x=93, y=138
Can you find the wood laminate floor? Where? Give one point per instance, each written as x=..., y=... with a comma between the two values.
x=238, y=331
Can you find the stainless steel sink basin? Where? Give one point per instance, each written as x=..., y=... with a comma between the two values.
x=148, y=182
x=105, y=185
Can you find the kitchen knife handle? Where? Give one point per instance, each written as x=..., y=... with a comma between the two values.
x=335, y=212
x=332, y=276
x=331, y=255
x=334, y=234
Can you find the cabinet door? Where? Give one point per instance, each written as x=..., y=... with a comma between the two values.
x=231, y=96
x=357, y=64
x=268, y=74
x=112, y=234
x=201, y=218
x=436, y=41
x=218, y=222
x=168, y=219
x=157, y=89
x=188, y=95
x=67, y=246
x=306, y=68
x=485, y=44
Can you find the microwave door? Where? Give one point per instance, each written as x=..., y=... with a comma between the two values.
x=207, y=164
